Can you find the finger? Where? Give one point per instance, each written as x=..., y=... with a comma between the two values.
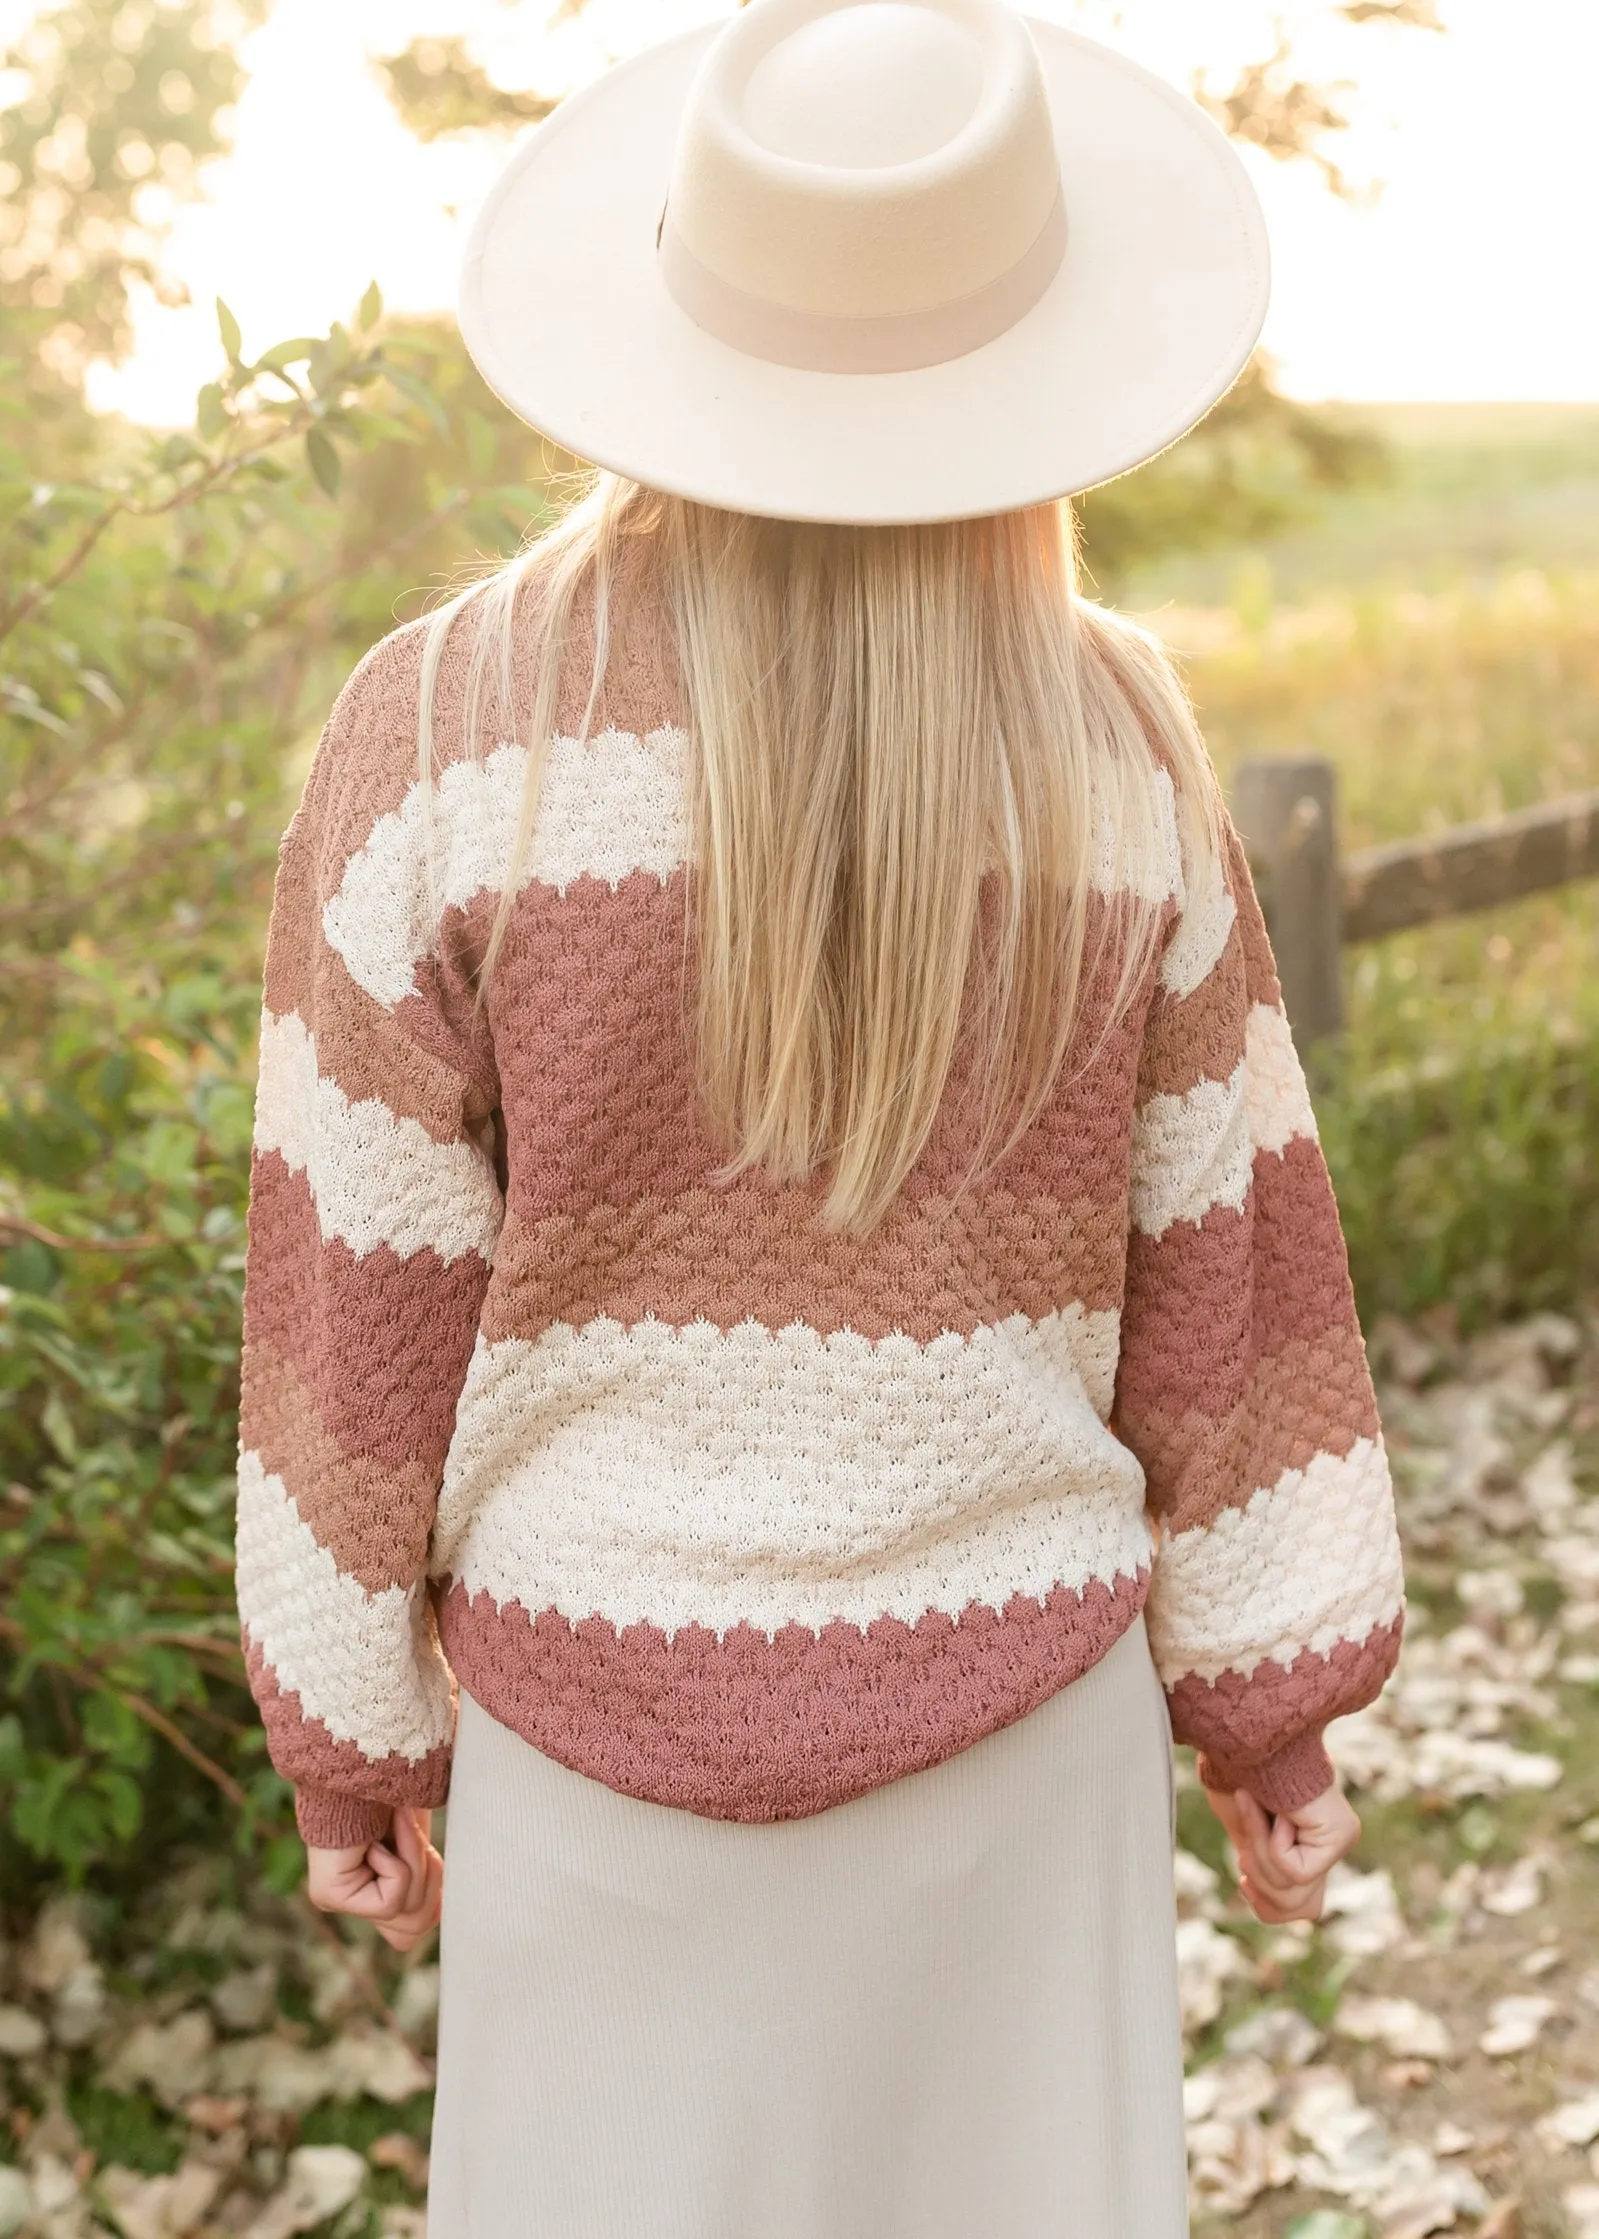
x=1277, y=1912
x=392, y=1880
x=1222, y=1803
x=407, y=1932
x=413, y=1857
x=1300, y=1903
x=433, y=1899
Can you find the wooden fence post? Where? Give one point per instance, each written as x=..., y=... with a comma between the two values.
x=1287, y=816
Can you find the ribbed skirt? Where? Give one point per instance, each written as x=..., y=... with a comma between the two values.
x=946, y=2010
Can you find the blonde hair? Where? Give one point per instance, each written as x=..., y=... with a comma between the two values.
x=914, y=753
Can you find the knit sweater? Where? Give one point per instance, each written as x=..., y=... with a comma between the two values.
x=719, y=1507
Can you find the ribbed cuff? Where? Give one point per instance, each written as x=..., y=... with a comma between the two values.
x=1294, y=1775
x=330, y=1821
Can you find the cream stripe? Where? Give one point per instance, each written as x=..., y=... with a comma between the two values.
x=1197, y=1150
x=677, y=1476
x=367, y=1665
x=1115, y=869
x=1311, y=1561
x=1275, y=1095
x=1190, y=1153
x=376, y=1179
x=1195, y=948
x=613, y=806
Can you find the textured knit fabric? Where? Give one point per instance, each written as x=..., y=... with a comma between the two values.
x=946, y=2010
x=724, y=1510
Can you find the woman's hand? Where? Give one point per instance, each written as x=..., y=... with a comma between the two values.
x=398, y=1885
x=1284, y=1858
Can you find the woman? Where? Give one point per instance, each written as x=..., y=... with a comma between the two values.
x=796, y=1321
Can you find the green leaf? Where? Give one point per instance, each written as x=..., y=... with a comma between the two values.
x=371, y=309
x=178, y=451
x=284, y=354
x=210, y=413
x=228, y=328
x=325, y=463
x=418, y=391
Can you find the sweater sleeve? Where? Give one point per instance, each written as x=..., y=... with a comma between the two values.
x=1277, y=1597
x=374, y=1209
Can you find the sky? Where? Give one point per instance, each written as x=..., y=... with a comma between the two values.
x=1464, y=273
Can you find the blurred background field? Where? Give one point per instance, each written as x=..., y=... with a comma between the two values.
x=1434, y=632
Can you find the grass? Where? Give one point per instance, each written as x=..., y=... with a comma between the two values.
x=1435, y=638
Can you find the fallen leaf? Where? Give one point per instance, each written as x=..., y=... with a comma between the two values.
x=56, y=1949
x=1280, y=2034
x=397, y=2150
x=1575, y=2122
x=1364, y=1912
x=246, y=1999
x=1581, y=2203
x=1450, y=2137
x=1432, y=2203
x=159, y=2207
x=1206, y=1959
x=373, y=2063
x=170, y=2059
x=1514, y=2024
x=218, y=2116
x=322, y=2181
x=21, y=2034
x=1514, y=1891
x=1232, y=2162
x=416, y=2005
x=1398, y=2024
x=1229, y=2088
x=16, y=2201
x=1541, y=1961
x=1503, y=2220
x=285, y=2077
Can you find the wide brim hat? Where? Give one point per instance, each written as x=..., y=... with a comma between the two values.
x=879, y=262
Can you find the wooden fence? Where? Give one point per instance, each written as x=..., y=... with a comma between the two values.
x=1316, y=901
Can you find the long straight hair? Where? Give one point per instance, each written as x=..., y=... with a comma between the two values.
x=915, y=754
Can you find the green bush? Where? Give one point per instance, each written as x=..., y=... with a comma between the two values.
x=176, y=617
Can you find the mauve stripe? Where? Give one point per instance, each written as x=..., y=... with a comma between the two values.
x=1205, y=1298
x=750, y=1728
x=1311, y=1396
x=373, y=1518
x=1301, y=1267
x=382, y=1343
x=598, y=1081
x=1259, y=964
x=304, y=1751
x=1239, y=1721
x=1197, y=1037
x=752, y=1253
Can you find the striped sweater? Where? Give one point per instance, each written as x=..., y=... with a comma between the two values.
x=713, y=1505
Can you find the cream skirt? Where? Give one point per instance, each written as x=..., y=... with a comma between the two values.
x=947, y=2010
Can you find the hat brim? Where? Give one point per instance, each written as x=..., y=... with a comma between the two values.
x=1157, y=305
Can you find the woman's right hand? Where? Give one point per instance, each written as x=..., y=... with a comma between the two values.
x=398, y=1885
x=1284, y=1857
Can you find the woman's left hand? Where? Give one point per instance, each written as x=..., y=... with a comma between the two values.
x=397, y=1885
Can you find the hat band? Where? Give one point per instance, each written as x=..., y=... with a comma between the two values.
x=871, y=342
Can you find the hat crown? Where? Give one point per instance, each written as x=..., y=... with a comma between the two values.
x=860, y=159
x=863, y=87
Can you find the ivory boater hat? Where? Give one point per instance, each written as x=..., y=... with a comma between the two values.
x=869, y=261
